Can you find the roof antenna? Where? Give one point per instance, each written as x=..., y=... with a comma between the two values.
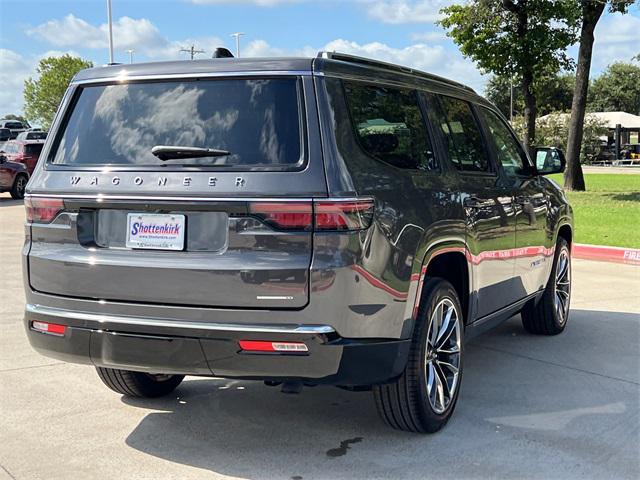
x=222, y=52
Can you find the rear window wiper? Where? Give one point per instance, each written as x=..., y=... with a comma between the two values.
x=172, y=152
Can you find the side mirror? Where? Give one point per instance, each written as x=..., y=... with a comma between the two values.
x=550, y=160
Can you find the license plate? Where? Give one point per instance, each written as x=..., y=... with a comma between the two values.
x=155, y=231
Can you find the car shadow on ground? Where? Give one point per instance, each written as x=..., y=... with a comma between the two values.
x=518, y=389
x=9, y=202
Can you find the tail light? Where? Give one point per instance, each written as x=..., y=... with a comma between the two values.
x=42, y=210
x=352, y=215
x=285, y=215
x=319, y=216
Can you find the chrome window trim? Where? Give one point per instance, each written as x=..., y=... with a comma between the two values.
x=177, y=76
x=101, y=318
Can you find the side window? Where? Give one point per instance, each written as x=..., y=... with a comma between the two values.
x=389, y=125
x=509, y=151
x=461, y=133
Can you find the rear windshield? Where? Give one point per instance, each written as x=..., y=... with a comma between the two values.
x=258, y=121
x=33, y=148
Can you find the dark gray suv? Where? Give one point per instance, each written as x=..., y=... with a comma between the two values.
x=333, y=220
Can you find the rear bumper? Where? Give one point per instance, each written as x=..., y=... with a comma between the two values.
x=212, y=349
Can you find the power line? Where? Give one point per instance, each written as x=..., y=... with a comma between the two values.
x=192, y=51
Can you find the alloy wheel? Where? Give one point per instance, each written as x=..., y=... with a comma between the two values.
x=562, y=290
x=443, y=355
x=21, y=184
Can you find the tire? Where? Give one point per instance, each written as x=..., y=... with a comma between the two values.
x=550, y=314
x=138, y=384
x=406, y=403
x=18, y=187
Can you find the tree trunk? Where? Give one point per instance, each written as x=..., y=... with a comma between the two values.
x=530, y=112
x=573, y=177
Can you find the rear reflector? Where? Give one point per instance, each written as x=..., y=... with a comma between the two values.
x=52, y=328
x=266, y=346
x=333, y=215
x=43, y=210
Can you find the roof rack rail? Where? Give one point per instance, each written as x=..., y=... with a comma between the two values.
x=345, y=57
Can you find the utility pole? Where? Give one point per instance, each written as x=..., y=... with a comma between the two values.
x=109, y=20
x=130, y=52
x=237, y=35
x=192, y=51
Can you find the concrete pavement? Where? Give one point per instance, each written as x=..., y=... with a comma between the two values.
x=530, y=407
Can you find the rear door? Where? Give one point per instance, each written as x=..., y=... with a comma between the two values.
x=487, y=202
x=534, y=238
x=230, y=230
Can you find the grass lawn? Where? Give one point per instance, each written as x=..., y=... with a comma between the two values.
x=608, y=213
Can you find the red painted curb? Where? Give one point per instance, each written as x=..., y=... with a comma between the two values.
x=606, y=254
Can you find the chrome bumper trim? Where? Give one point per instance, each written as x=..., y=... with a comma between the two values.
x=154, y=322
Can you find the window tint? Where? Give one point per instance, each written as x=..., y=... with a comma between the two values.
x=257, y=120
x=14, y=125
x=509, y=152
x=11, y=147
x=461, y=132
x=33, y=148
x=389, y=125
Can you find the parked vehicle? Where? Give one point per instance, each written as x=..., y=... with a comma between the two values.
x=13, y=177
x=15, y=126
x=334, y=220
x=32, y=135
x=24, y=151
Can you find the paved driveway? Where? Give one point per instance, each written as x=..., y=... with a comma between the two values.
x=530, y=407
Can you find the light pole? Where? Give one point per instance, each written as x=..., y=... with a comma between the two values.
x=109, y=20
x=237, y=35
x=130, y=52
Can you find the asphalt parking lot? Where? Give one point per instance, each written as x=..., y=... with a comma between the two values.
x=530, y=407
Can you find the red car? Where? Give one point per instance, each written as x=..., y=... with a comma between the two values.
x=24, y=151
x=13, y=177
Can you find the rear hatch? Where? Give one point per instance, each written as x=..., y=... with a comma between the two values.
x=123, y=208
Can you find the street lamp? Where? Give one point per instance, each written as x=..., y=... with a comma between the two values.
x=130, y=52
x=237, y=35
x=110, y=22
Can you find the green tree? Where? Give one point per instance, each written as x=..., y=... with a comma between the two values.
x=524, y=39
x=589, y=12
x=553, y=94
x=43, y=94
x=617, y=89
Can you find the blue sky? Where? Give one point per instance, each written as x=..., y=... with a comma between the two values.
x=401, y=31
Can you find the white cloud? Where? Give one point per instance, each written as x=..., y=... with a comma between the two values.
x=429, y=36
x=14, y=70
x=616, y=29
x=403, y=11
x=74, y=31
x=431, y=58
x=617, y=39
x=260, y=3
x=141, y=35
